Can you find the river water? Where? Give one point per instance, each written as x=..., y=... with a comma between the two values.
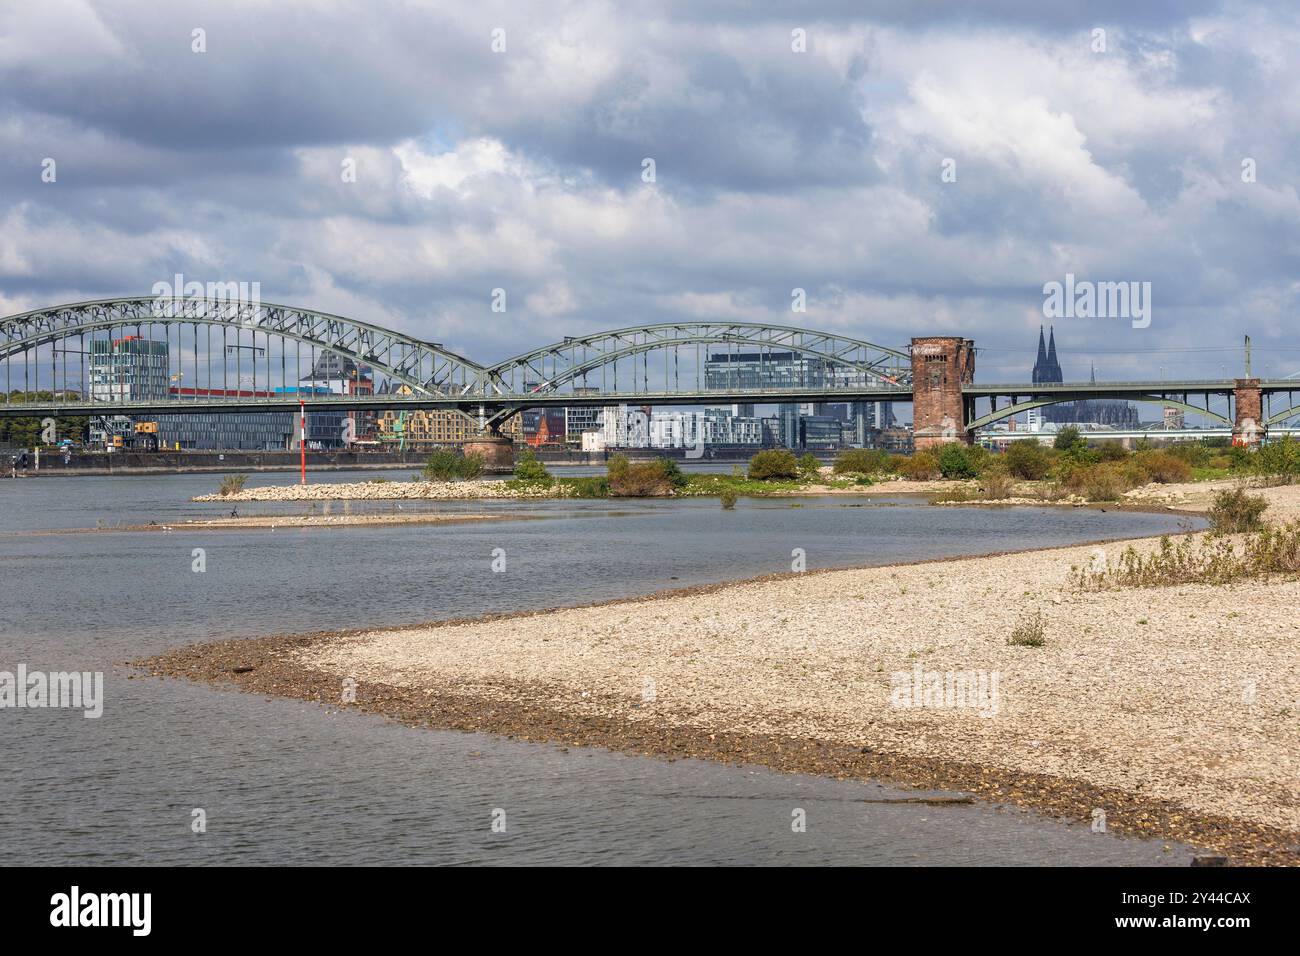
x=282, y=781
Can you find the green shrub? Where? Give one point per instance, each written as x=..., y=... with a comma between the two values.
x=1111, y=451
x=673, y=472
x=1027, y=460
x=1068, y=440
x=444, y=465
x=441, y=465
x=471, y=467
x=861, y=461
x=1235, y=512
x=810, y=469
x=728, y=497
x=922, y=466
x=955, y=461
x=1197, y=454
x=1277, y=458
x=231, y=485
x=773, y=463
x=528, y=468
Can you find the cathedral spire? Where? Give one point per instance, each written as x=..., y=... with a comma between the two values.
x=1040, y=364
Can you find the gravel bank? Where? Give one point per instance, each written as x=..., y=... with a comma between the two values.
x=1176, y=711
x=387, y=490
x=273, y=522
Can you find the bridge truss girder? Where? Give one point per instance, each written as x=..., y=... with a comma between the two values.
x=423, y=366
x=1057, y=398
x=576, y=358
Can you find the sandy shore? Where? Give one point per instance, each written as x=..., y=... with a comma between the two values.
x=1175, y=711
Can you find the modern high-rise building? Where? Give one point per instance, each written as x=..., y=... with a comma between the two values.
x=581, y=418
x=339, y=375
x=124, y=370
x=743, y=370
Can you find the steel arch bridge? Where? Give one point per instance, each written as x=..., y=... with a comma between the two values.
x=159, y=354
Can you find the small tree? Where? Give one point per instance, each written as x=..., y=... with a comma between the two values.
x=773, y=463
x=1068, y=439
x=863, y=461
x=809, y=467
x=444, y=465
x=528, y=468
x=441, y=465
x=471, y=467
x=1027, y=460
x=673, y=472
x=1277, y=458
x=922, y=466
x=728, y=497
x=955, y=461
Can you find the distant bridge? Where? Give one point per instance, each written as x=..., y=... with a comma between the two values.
x=156, y=355
x=223, y=356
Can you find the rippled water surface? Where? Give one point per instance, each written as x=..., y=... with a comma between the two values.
x=282, y=781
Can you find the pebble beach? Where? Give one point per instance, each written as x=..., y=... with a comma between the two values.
x=1167, y=712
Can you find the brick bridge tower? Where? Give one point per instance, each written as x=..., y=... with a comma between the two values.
x=1248, y=421
x=941, y=365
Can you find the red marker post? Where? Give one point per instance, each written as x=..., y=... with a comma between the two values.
x=302, y=436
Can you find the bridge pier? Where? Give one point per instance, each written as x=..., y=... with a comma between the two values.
x=496, y=450
x=941, y=365
x=1248, y=407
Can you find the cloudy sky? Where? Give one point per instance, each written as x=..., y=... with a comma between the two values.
x=775, y=169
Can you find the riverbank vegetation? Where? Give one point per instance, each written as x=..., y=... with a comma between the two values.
x=1071, y=467
x=1200, y=559
x=444, y=465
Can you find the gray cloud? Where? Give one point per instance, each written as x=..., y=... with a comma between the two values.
x=775, y=169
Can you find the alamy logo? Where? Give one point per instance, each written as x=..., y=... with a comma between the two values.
x=179, y=298
x=945, y=690
x=103, y=909
x=1085, y=299
x=37, y=689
